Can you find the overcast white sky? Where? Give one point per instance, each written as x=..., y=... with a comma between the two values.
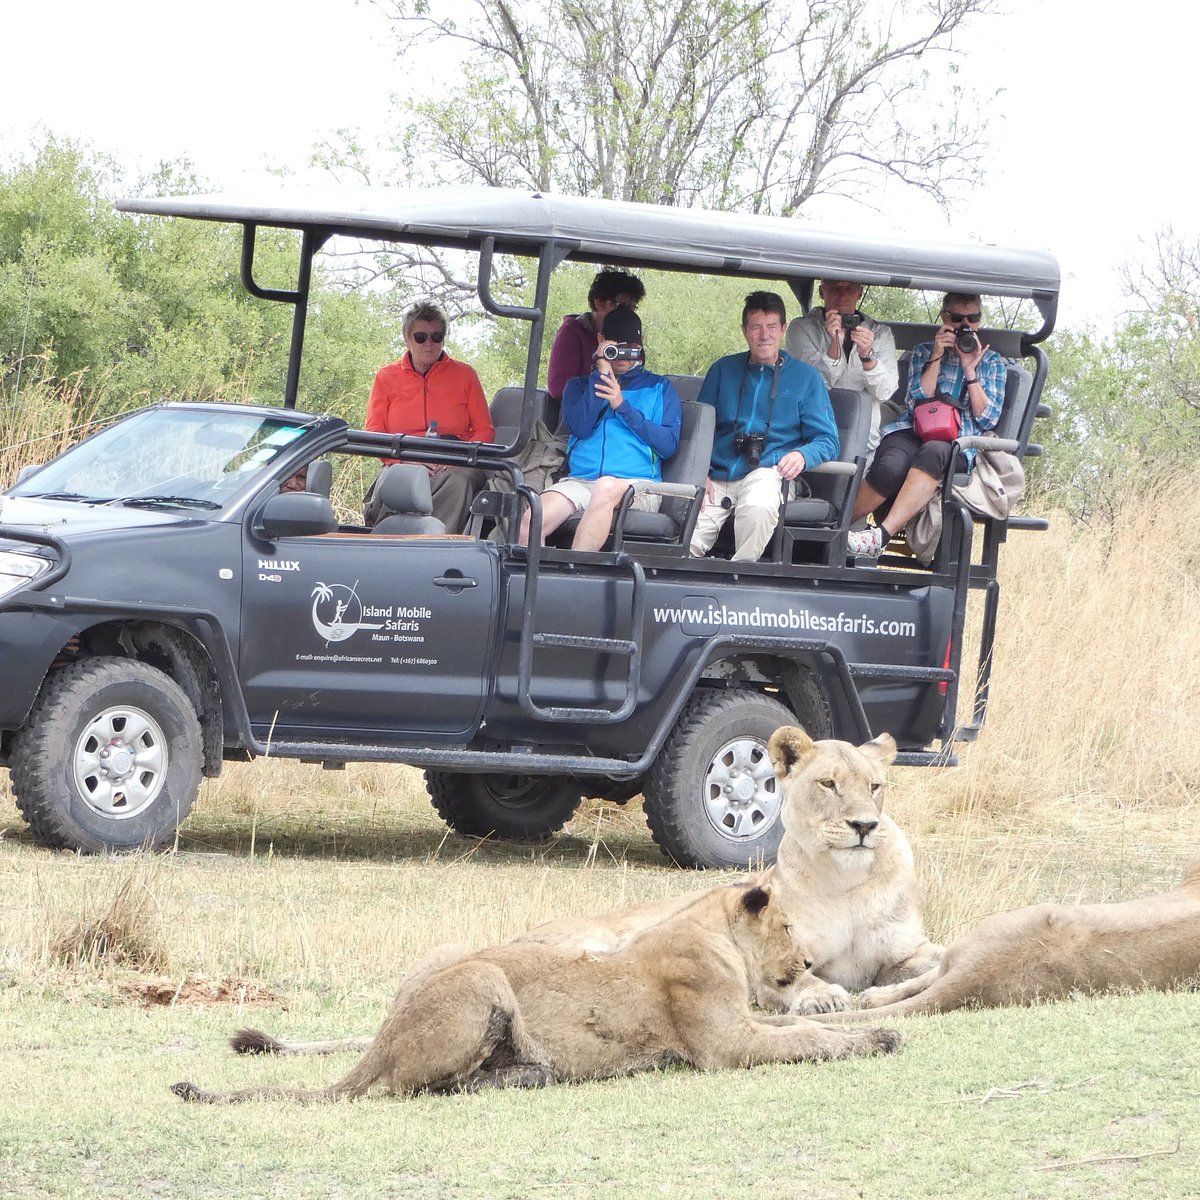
x=1092, y=135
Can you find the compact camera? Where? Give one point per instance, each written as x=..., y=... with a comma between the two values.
x=851, y=320
x=619, y=353
x=965, y=338
x=750, y=446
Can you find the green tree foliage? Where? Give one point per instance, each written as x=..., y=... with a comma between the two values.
x=144, y=308
x=1127, y=405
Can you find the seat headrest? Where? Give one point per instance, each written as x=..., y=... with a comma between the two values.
x=319, y=477
x=404, y=488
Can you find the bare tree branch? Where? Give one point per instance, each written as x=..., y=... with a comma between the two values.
x=720, y=102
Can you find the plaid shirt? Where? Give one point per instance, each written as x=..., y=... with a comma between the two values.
x=991, y=373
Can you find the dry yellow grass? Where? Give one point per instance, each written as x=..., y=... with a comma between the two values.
x=324, y=884
x=44, y=419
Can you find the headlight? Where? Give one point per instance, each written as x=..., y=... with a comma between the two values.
x=17, y=569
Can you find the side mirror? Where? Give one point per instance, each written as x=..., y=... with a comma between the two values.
x=296, y=514
x=25, y=472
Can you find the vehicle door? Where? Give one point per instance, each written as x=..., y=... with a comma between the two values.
x=368, y=635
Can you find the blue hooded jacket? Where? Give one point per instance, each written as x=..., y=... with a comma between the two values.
x=801, y=417
x=628, y=442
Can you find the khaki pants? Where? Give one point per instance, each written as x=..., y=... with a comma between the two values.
x=754, y=501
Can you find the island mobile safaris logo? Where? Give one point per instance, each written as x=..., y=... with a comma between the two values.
x=337, y=611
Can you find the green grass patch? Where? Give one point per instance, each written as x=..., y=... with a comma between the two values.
x=1078, y=1099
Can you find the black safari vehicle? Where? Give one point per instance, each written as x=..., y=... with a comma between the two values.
x=164, y=606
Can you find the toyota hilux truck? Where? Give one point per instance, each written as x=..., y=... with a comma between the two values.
x=166, y=605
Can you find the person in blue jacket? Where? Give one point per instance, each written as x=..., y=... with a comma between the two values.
x=774, y=420
x=624, y=421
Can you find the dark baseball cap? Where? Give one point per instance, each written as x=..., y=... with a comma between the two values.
x=622, y=324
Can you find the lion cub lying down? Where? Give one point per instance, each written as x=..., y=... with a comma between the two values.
x=1051, y=951
x=527, y=1013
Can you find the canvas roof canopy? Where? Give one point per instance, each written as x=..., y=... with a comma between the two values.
x=638, y=234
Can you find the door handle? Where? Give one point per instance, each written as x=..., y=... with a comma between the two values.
x=455, y=582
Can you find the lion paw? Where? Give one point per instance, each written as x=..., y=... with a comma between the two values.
x=829, y=998
x=874, y=997
x=884, y=1041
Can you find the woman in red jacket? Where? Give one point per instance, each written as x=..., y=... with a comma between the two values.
x=428, y=392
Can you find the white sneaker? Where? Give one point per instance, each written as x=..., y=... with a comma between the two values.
x=865, y=543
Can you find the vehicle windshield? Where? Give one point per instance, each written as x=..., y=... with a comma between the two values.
x=186, y=459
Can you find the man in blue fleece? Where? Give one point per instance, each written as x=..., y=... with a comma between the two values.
x=774, y=420
x=624, y=422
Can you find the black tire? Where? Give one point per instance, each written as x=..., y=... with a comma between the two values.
x=109, y=758
x=505, y=806
x=711, y=797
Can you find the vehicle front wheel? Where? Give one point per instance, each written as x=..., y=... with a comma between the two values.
x=508, y=806
x=711, y=798
x=110, y=757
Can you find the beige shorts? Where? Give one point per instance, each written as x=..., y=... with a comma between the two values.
x=579, y=492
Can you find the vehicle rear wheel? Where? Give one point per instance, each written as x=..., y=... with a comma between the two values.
x=711, y=798
x=110, y=757
x=508, y=806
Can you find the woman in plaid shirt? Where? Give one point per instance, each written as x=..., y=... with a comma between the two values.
x=908, y=471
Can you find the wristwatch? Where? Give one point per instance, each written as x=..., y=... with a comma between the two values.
x=866, y=358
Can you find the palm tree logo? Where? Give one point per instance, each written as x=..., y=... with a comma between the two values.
x=337, y=611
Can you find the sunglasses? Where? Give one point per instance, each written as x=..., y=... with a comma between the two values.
x=420, y=337
x=959, y=318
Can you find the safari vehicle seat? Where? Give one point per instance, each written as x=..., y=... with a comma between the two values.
x=404, y=493
x=687, y=468
x=319, y=477
x=813, y=528
x=688, y=386
x=506, y=410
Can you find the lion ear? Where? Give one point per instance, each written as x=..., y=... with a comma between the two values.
x=756, y=899
x=881, y=750
x=790, y=747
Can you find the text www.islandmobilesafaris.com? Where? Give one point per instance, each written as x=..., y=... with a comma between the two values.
x=789, y=620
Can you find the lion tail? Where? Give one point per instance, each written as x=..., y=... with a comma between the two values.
x=358, y=1082
x=254, y=1041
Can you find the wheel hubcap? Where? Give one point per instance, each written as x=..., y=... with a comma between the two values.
x=120, y=762
x=741, y=798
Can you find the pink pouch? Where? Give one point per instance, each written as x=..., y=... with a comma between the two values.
x=937, y=420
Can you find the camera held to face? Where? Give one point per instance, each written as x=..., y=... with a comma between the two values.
x=750, y=446
x=620, y=352
x=851, y=320
x=966, y=339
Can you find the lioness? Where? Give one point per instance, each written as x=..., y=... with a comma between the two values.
x=845, y=877
x=845, y=871
x=526, y=1013
x=1052, y=951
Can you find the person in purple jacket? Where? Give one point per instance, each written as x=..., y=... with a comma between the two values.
x=576, y=339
